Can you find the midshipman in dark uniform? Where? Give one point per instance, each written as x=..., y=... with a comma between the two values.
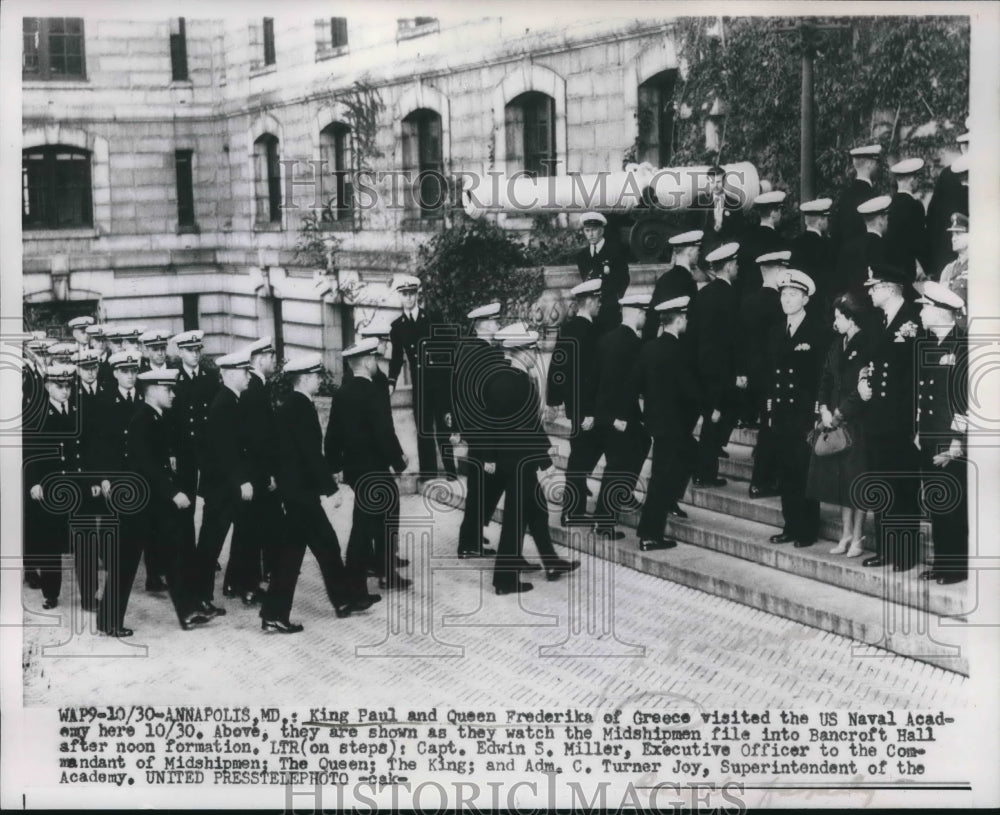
x=603, y=260
x=677, y=281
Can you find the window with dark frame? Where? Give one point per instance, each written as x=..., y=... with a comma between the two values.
x=529, y=124
x=269, y=58
x=338, y=32
x=178, y=49
x=656, y=119
x=424, y=162
x=53, y=48
x=190, y=308
x=336, y=193
x=55, y=188
x=183, y=162
x=267, y=179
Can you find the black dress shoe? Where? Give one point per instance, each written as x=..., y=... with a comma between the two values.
x=513, y=588
x=451, y=477
x=343, y=609
x=394, y=581
x=652, y=544
x=120, y=632
x=155, y=583
x=676, y=512
x=877, y=560
x=193, y=620
x=50, y=602
x=251, y=598
x=781, y=537
x=211, y=610
x=903, y=566
x=555, y=568
x=32, y=580
x=761, y=492
x=521, y=565
x=710, y=482
x=928, y=574
x=950, y=578
x=281, y=626
x=803, y=544
x=401, y=562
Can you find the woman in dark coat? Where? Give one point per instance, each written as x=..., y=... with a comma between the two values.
x=830, y=477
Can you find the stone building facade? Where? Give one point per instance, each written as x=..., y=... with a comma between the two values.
x=167, y=170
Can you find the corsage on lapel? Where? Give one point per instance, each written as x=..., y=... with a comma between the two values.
x=907, y=330
x=947, y=359
x=803, y=346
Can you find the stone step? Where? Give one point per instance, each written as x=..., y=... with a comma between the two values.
x=721, y=556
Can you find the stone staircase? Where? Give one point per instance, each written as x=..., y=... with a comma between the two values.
x=723, y=549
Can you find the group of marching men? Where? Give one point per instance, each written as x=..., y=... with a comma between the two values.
x=740, y=336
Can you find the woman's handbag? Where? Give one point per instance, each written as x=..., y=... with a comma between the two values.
x=828, y=441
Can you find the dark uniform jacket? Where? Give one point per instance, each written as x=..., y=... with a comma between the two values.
x=892, y=408
x=88, y=404
x=477, y=362
x=758, y=240
x=906, y=236
x=617, y=352
x=303, y=473
x=58, y=435
x=572, y=379
x=515, y=418
x=361, y=434
x=407, y=337
x=112, y=429
x=942, y=388
x=148, y=454
x=733, y=221
x=611, y=268
x=716, y=325
x=671, y=395
x=192, y=398
x=847, y=223
x=105, y=373
x=225, y=460
x=950, y=196
x=760, y=311
x=260, y=433
x=796, y=365
x=813, y=254
x=855, y=257
x=675, y=282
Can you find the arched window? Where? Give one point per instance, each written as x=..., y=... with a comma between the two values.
x=336, y=191
x=55, y=188
x=529, y=125
x=424, y=164
x=267, y=179
x=656, y=118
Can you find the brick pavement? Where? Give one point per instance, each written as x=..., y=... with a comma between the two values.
x=693, y=648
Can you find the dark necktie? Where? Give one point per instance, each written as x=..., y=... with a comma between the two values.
x=788, y=330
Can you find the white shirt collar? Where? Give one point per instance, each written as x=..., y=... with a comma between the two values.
x=812, y=229
x=191, y=372
x=891, y=315
x=793, y=321
x=60, y=408
x=257, y=374
x=595, y=248
x=125, y=393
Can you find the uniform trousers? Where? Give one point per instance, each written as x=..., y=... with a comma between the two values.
x=482, y=494
x=187, y=482
x=714, y=436
x=584, y=453
x=306, y=525
x=222, y=503
x=791, y=454
x=122, y=554
x=374, y=525
x=524, y=508
x=894, y=464
x=431, y=431
x=257, y=531
x=673, y=457
x=45, y=539
x=949, y=516
x=624, y=452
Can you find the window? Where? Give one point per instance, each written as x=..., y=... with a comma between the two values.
x=55, y=188
x=423, y=162
x=267, y=179
x=185, y=187
x=338, y=32
x=189, y=304
x=53, y=48
x=178, y=49
x=269, y=41
x=530, y=133
x=336, y=191
x=656, y=119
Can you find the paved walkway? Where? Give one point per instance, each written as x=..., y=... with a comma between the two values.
x=452, y=641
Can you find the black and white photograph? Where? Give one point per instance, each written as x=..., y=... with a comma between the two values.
x=495, y=405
